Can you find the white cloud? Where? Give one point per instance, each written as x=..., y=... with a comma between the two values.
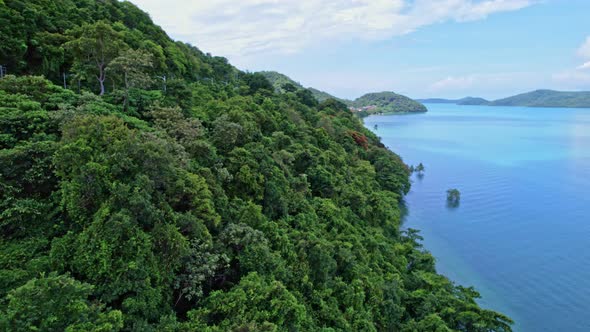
x=584, y=50
x=496, y=84
x=453, y=83
x=236, y=28
x=461, y=83
x=578, y=78
x=574, y=80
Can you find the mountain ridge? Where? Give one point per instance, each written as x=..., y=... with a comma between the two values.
x=462, y=101
x=535, y=98
x=367, y=104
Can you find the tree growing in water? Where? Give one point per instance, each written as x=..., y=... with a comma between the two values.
x=453, y=197
x=419, y=169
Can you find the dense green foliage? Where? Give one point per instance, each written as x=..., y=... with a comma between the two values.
x=547, y=98
x=200, y=202
x=282, y=83
x=388, y=102
x=323, y=96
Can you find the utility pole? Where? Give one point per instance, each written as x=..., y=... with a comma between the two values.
x=65, y=84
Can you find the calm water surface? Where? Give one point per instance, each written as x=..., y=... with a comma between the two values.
x=521, y=234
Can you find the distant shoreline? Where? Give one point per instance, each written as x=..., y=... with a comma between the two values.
x=537, y=98
x=507, y=106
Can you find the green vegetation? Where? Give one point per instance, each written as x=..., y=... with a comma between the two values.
x=386, y=102
x=547, y=98
x=473, y=101
x=462, y=101
x=165, y=190
x=371, y=103
x=281, y=81
x=537, y=98
x=453, y=197
x=417, y=169
x=438, y=101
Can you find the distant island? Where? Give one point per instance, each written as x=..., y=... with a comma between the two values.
x=370, y=103
x=386, y=102
x=537, y=98
x=462, y=101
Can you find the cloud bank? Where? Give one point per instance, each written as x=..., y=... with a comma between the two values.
x=580, y=76
x=584, y=50
x=237, y=28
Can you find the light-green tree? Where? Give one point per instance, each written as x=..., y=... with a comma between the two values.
x=133, y=68
x=94, y=47
x=57, y=303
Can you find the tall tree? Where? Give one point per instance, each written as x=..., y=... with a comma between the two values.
x=133, y=67
x=94, y=47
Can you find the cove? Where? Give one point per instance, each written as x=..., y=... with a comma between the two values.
x=521, y=234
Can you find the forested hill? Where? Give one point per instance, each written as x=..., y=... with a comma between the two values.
x=462, y=101
x=370, y=103
x=164, y=190
x=537, y=98
x=387, y=102
x=283, y=83
x=547, y=98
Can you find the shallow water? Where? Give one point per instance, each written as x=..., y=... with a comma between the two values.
x=521, y=234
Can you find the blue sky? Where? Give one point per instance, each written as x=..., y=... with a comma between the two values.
x=421, y=48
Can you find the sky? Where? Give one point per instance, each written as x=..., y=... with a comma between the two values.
x=420, y=48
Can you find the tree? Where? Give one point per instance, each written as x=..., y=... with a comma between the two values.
x=133, y=66
x=419, y=168
x=289, y=87
x=256, y=82
x=453, y=197
x=94, y=47
x=218, y=205
x=199, y=269
x=306, y=97
x=56, y=303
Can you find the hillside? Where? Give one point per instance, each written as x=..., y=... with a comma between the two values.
x=323, y=96
x=462, y=101
x=547, y=98
x=473, y=101
x=386, y=102
x=371, y=103
x=281, y=81
x=437, y=101
x=161, y=189
x=537, y=98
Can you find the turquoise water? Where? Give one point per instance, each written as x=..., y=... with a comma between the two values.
x=521, y=234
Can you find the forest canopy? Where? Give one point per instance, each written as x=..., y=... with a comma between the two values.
x=148, y=186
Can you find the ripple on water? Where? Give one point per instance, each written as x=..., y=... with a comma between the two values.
x=521, y=232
